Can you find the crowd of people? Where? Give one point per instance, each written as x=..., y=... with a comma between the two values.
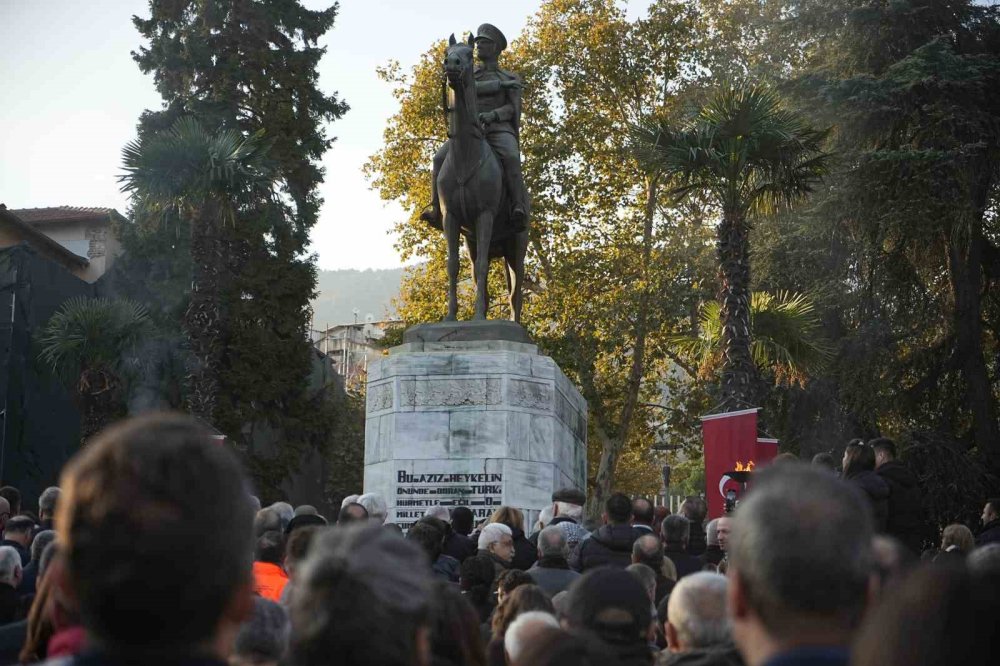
x=153, y=550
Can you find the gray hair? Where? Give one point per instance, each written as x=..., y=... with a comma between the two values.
x=574, y=511
x=350, y=499
x=712, y=532
x=345, y=564
x=42, y=539
x=801, y=549
x=10, y=565
x=675, y=529
x=552, y=542
x=254, y=503
x=439, y=512
x=524, y=629
x=984, y=560
x=46, y=559
x=264, y=637
x=48, y=500
x=697, y=610
x=285, y=512
x=306, y=510
x=694, y=508
x=266, y=520
x=492, y=533
x=646, y=577
x=375, y=506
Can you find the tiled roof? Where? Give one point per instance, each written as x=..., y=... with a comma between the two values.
x=33, y=234
x=63, y=214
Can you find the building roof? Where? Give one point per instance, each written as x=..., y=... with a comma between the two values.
x=37, y=237
x=65, y=214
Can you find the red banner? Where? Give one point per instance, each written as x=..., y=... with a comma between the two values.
x=730, y=442
x=767, y=450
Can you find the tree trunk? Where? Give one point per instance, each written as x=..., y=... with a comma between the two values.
x=738, y=370
x=203, y=318
x=613, y=446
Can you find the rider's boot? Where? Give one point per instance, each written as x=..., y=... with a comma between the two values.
x=432, y=215
x=519, y=217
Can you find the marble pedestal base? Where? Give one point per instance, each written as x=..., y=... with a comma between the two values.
x=471, y=422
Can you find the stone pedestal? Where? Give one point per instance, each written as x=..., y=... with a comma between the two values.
x=470, y=414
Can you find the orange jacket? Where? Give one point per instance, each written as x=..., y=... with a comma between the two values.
x=269, y=580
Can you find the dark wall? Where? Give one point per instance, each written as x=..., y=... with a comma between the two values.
x=40, y=424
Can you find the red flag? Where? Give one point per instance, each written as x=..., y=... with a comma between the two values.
x=730, y=440
x=767, y=450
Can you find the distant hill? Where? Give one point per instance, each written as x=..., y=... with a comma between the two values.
x=340, y=292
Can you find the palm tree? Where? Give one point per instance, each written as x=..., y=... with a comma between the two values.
x=786, y=337
x=87, y=343
x=748, y=155
x=205, y=178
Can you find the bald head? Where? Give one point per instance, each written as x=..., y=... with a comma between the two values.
x=696, y=612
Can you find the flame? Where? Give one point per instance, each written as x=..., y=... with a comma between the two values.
x=740, y=467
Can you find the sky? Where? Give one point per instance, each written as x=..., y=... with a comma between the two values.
x=72, y=96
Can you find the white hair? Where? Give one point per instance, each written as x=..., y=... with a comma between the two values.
x=284, y=511
x=523, y=629
x=492, y=533
x=48, y=499
x=712, y=532
x=697, y=610
x=375, y=505
x=350, y=499
x=10, y=565
x=574, y=511
x=545, y=517
x=439, y=512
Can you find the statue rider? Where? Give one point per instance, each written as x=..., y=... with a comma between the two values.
x=498, y=95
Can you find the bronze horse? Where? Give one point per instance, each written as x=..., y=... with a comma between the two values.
x=474, y=200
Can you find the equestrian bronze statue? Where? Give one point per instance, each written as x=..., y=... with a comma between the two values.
x=478, y=190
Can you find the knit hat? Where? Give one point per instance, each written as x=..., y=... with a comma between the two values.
x=612, y=604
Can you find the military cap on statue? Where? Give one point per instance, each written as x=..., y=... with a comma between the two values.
x=492, y=33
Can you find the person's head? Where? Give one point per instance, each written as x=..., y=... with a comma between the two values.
x=439, y=512
x=557, y=647
x=612, y=604
x=38, y=544
x=19, y=529
x=985, y=560
x=858, y=458
x=270, y=548
x=935, y=615
x=363, y=595
x=428, y=536
x=285, y=513
x=135, y=494
x=712, y=532
x=455, y=628
x=266, y=520
x=4, y=512
x=375, y=506
x=524, y=630
x=696, y=612
x=497, y=540
x=552, y=543
x=352, y=513
x=508, y=581
x=462, y=520
x=254, y=503
x=544, y=518
x=509, y=516
x=306, y=510
x=694, y=508
x=891, y=557
x=13, y=497
x=47, y=503
x=568, y=503
x=476, y=577
x=263, y=639
x=490, y=43
x=643, y=512
x=10, y=566
x=723, y=529
x=884, y=450
x=350, y=499
x=45, y=559
x=825, y=461
x=646, y=577
x=957, y=537
x=675, y=530
x=522, y=599
x=297, y=547
x=991, y=511
x=304, y=520
x=618, y=509
x=800, y=561
x=648, y=550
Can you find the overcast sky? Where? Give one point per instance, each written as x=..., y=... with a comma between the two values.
x=71, y=96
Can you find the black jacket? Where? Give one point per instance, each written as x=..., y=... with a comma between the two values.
x=525, y=553
x=608, y=545
x=10, y=605
x=458, y=546
x=553, y=575
x=712, y=555
x=696, y=541
x=21, y=550
x=906, y=515
x=723, y=655
x=989, y=534
x=876, y=490
x=684, y=562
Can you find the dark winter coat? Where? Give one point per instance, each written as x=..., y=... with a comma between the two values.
x=458, y=546
x=608, y=545
x=553, y=575
x=906, y=516
x=10, y=605
x=697, y=540
x=684, y=562
x=989, y=534
x=525, y=553
x=712, y=555
x=726, y=655
x=877, y=492
x=446, y=568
